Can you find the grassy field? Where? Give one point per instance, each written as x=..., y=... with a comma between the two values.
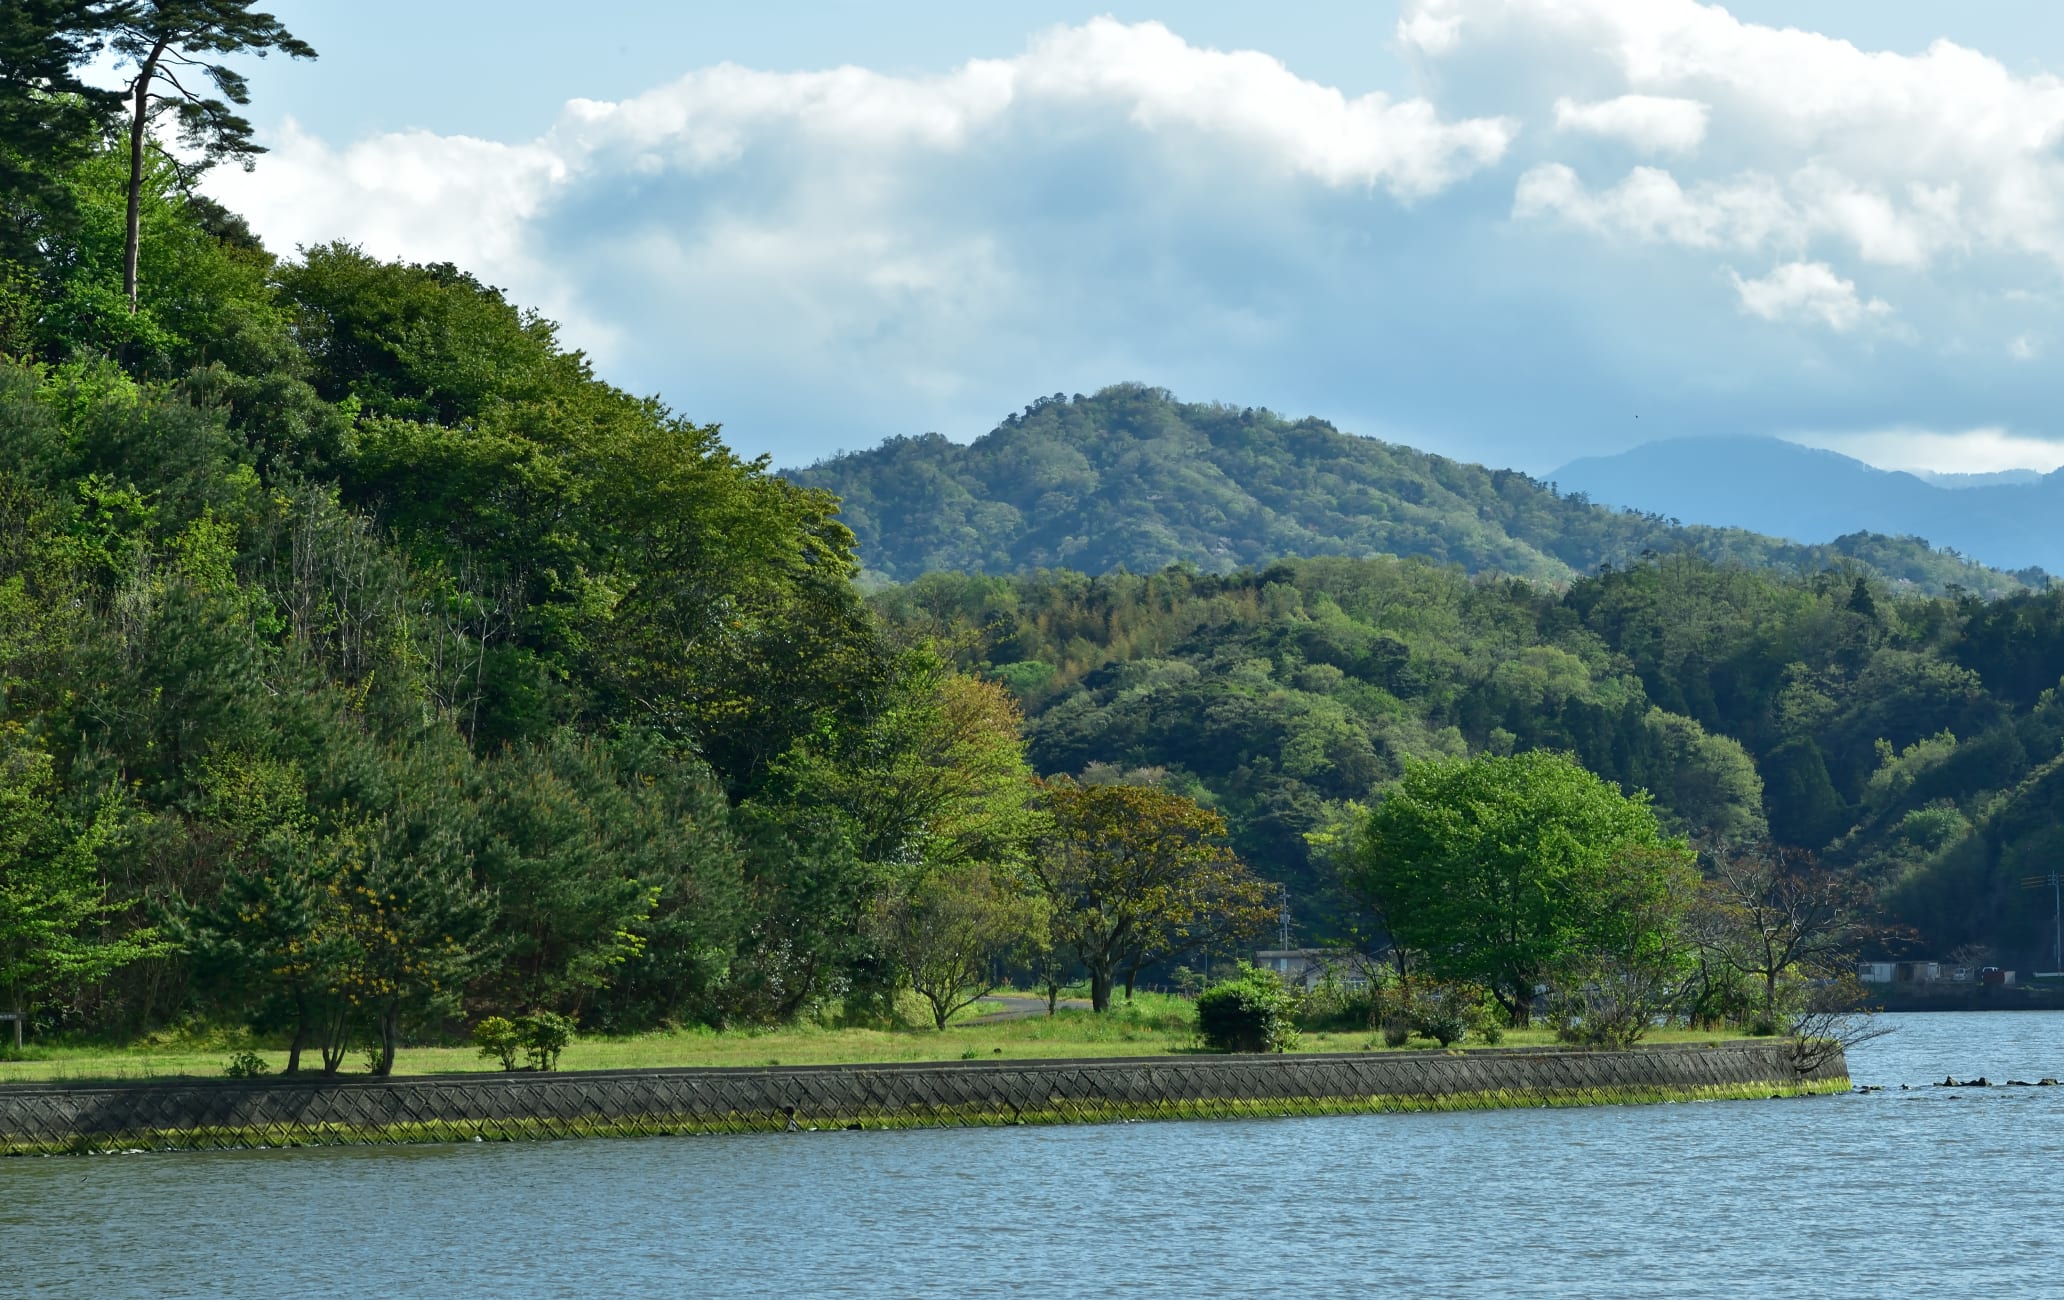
x=1151, y=1025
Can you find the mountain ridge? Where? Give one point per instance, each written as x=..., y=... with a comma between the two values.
x=1132, y=478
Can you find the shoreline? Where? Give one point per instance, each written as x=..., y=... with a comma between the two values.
x=171, y=1115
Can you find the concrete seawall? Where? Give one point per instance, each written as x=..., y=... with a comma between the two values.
x=220, y=1114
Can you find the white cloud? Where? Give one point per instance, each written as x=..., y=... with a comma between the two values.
x=1245, y=104
x=1809, y=291
x=1650, y=205
x=2023, y=347
x=819, y=258
x=1973, y=451
x=407, y=194
x=421, y=194
x=1651, y=123
x=1895, y=159
x=855, y=232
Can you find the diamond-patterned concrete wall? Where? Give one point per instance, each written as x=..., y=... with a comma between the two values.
x=200, y=1114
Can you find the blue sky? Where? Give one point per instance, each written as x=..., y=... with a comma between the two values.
x=1515, y=231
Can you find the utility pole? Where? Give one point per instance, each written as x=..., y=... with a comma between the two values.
x=2056, y=884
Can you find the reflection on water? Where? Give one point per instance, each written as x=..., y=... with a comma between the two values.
x=1877, y=1194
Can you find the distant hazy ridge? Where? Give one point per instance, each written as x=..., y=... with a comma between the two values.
x=1780, y=488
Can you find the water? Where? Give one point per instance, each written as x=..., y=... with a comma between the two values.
x=1877, y=1194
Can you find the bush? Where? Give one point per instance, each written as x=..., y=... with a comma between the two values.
x=1444, y=1012
x=545, y=1034
x=1488, y=1030
x=1588, y=1017
x=1335, y=1007
x=246, y=1065
x=499, y=1039
x=1249, y=1013
x=1397, y=1030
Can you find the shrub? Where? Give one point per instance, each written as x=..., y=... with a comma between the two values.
x=246, y=1065
x=1588, y=1018
x=499, y=1039
x=1397, y=1031
x=1489, y=1025
x=1249, y=1013
x=545, y=1034
x=1333, y=1006
x=1444, y=1012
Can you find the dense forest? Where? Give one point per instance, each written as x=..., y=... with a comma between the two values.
x=1917, y=743
x=1131, y=478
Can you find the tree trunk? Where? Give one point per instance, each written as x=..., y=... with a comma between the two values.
x=1131, y=974
x=1053, y=996
x=300, y=1038
x=1519, y=1005
x=335, y=1039
x=390, y=1029
x=1100, y=984
x=139, y=126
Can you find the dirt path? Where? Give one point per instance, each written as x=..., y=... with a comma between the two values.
x=1022, y=1008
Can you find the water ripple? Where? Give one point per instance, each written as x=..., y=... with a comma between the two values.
x=1880, y=1193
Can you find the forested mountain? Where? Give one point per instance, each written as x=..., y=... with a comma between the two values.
x=1917, y=742
x=1131, y=478
x=1786, y=490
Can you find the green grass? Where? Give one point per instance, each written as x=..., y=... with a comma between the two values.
x=1153, y=1024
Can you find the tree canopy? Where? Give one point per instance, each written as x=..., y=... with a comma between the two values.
x=1500, y=869
x=1130, y=478
x=1133, y=874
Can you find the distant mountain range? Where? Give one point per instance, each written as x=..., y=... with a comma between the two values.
x=1131, y=478
x=2008, y=520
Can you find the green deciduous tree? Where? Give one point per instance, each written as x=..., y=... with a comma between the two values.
x=937, y=778
x=1126, y=866
x=1709, y=781
x=949, y=930
x=1502, y=869
x=1637, y=964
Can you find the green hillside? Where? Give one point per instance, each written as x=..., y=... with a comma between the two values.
x=1131, y=478
x=1914, y=741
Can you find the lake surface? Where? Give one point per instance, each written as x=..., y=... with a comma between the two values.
x=1895, y=1193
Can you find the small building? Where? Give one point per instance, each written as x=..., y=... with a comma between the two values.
x=1307, y=968
x=1874, y=972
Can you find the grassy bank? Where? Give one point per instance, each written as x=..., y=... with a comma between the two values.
x=1151, y=1025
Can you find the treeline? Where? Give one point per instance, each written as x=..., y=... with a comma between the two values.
x=366, y=663
x=1130, y=478
x=1911, y=742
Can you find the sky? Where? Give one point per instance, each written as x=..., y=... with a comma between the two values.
x=1510, y=231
